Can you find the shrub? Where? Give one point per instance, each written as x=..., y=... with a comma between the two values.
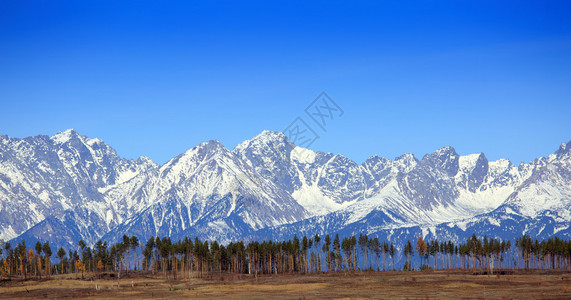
x=425, y=268
x=406, y=266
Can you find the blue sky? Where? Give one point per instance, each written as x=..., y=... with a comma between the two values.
x=155, y=79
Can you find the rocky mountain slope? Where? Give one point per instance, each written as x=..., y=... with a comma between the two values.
x=69, y=187
x=42, y=176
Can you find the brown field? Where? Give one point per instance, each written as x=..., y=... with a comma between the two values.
x=400, y=285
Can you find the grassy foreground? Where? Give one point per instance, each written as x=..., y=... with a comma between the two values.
x=402, y=285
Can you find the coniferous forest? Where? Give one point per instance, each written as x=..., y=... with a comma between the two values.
x=195, y=258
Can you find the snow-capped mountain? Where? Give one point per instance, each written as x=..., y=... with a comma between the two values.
x=495, y=199
x=42, y=176
x=69, y=187
x=206, y=191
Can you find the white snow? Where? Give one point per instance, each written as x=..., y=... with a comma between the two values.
x=467, y=163
x=8, y=233
x=303, y=155
x=62, y=137
x=209, y=174
x=313, y=200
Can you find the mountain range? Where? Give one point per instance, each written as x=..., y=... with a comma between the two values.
x=70, y=187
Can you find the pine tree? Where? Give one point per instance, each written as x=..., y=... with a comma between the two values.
x=61, y=254
x=133, y=244
x=338, y=257
x=327, y=251
x=317, y=239
x=39, y=259
x=48, y=253
x=125, y=247
x=392, y=254
x=408, y=252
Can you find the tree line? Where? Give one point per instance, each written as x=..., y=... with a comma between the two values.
x=190, y=258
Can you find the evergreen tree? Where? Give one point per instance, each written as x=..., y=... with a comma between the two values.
x=61, y=255
x=47, y=254
x=392, y=254
x=133, y=244
x=327, y=251
x=38, y=263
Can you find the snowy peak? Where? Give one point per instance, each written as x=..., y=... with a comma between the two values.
x=207, y=187
x=267, y=136
x=211, y=192
x=201, y=152
x=65, y=136
x=303, y=155
x=267, y=149
x=341, y=179
x=73, y=138
x=476, y=165
x=270, y=155
x=147, y=163
x=444, y=159
x=210, y=147
x=472, y=171
x=212, y=144
x=446, y=150
x=546, y=187
x=407, y=161
x=210, y=155
x=500, y=166
x=265, y=139
x=407, y=157
x=270, y=135
x=563, y=150
x=468, y=163
x=376, y=162
x=42, y=176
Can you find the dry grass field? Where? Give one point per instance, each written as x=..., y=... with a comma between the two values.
x=399, y=285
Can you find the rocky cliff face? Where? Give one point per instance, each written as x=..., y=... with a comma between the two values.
x=69, y=186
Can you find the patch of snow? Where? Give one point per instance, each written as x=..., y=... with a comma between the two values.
x=8, y=233
x=557, y=229
x=63, y=137
x=303, y=155
x=313, y=200
x=467, y=163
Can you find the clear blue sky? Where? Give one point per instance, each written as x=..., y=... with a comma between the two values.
x=156, y=78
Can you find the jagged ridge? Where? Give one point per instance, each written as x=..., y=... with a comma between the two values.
x=266, y=187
